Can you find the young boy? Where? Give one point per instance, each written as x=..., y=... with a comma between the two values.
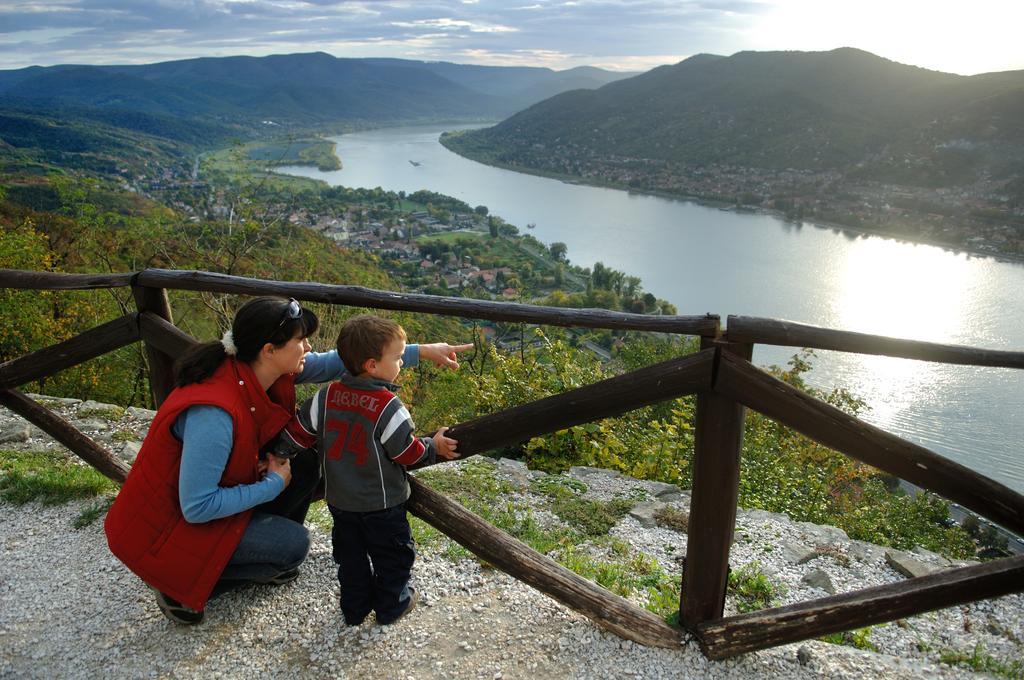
x=364, y=436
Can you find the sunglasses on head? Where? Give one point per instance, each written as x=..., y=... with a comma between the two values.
x=292, y=311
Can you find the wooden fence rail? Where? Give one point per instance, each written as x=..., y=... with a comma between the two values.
x=611, y=397
x=720, y=375
x=24, y=279
x=358, y=296
x=727, y=637
x=88, y=345
x=838, y=430
x=792, y=334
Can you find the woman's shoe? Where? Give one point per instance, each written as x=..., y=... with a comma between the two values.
x=284, y=577
x=176, y=611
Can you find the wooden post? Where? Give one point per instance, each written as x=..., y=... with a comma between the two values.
x=716, y=474
x=161, y=366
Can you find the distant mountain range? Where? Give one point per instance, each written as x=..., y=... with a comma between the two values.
x=296, y=89
x=842, y=109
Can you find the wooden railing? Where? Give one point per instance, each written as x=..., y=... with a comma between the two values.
x=721, y=376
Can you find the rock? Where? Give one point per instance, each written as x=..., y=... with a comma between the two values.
x=866, y=552
x=758, y=515
x=964, y=563
x=136, y=413
x=659, y=489
x=56, y=401
x=583, y=473
x=907, y=565
x=797, y=553
x=644, y=513
x=16, y=431
x=803, y=655
x=994, y=627
x=514, y=471
x=816, y=578
x=931, y=557
x=823, y=534
x=92, y=425
x=129, y=450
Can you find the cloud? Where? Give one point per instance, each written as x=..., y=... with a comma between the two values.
x=455, y=25
x=556, y=33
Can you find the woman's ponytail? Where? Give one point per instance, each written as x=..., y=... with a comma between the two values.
x=198, y=363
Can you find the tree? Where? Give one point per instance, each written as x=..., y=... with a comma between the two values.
x=492, y=226
x=481, y=210
x=558, y=251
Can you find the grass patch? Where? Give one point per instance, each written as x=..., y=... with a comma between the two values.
x=859, y=639
x=627, y=574
x=33, y=476
x=320, y=516
x=671, y=518
x=980, y=660
x=110, y=413
x=125, y=436
x=93, y=512
x=592, y=518
x=474, y=484
x=751, y=588
x=450, y=237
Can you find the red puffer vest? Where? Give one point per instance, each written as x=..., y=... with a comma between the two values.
x=145, y=527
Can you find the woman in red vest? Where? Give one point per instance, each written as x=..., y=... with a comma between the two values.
x=201, y=511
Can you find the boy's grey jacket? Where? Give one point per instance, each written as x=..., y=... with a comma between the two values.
x=364, y=439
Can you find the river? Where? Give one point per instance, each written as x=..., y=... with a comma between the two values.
x=703, y=259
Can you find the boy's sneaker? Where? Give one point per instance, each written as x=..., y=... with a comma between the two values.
x=413, y=599
x=284, y=577
x=176, y=611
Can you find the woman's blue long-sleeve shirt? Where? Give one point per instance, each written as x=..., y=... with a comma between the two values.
x=207, y=438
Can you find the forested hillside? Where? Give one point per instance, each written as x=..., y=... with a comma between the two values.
x=841, y=137
x=295, y=90
x=804, y=110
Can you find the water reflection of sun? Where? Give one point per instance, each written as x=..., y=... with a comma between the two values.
x=887, y=291
x=884, y=290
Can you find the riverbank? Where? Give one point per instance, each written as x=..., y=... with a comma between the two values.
x=730, y=205
x=68, y=608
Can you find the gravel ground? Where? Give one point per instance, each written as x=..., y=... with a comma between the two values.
x=69, y=609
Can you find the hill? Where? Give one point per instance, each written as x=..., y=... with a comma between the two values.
x=298, y=89
x=123, y=119
x=812, y=111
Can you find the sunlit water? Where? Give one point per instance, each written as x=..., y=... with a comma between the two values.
x=703, y=259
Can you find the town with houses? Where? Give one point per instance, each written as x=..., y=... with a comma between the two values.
x=986, y=216
x=395, y=243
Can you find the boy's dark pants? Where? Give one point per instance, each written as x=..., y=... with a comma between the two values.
x=374, y=552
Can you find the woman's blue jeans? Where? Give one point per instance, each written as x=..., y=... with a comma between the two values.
x=270, y=546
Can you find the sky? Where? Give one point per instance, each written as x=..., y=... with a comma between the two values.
x=624, y=35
